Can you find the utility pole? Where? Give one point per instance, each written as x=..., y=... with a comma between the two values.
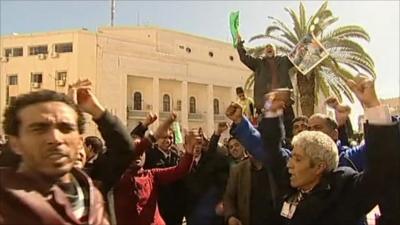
x=112, y=12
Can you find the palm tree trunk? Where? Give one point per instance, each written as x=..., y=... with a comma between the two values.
x=306, y=87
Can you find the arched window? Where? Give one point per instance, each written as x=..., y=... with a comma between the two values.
x=137, y=101
x=216, y=106
x=192, y=104
x=166, y=103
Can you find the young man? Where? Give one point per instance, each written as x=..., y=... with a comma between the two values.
x=45, y=128
x=246, y=103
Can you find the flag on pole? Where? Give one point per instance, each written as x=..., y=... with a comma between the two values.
x=177, y=133
x=234, y=27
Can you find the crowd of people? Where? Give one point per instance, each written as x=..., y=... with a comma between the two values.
x=51, y=174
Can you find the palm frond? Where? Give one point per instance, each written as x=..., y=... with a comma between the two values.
x=302, y=17
x=322, y=8
x=249, y=82
x=296, y=23
x=285, y=32
x=349, y=31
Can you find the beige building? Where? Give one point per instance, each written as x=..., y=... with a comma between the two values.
x=135, y=70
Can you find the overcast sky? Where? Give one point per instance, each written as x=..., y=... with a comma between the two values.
x=210, y=19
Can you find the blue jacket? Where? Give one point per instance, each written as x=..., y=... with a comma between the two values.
x=250, y=138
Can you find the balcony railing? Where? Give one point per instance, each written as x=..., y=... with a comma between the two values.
x=195, y=116
x=220, y=117
x=137, y=114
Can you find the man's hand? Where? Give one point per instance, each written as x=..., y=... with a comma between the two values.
x=363, y=87
x=275, y=101
x=332, y=102
x=150, y=119
x=221, y=128
x=192, y=139
x=234, y=112
x=83, y=96
x=163, y=127
x=234, y=221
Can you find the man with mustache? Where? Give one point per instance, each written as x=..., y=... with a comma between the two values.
x=270, y=72
x=46, y=128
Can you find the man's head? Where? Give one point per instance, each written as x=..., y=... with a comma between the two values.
x=81, y=159
x=270, y=51
x=93, y=146
x=138, y=161
x=240, y=93
x=45, y=128
x=325, y=124
x=314, y=154
x=300, y=124
x=166, y=140
x=235, y=149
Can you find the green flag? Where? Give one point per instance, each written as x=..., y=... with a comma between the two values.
x=178, y=134
x=234, y=27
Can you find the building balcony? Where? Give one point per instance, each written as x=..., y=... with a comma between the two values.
x=137, y=114
x=195, y=116
x=220, y=117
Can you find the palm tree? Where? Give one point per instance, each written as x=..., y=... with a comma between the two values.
x=346, y=56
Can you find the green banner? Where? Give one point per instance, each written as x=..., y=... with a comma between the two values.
x=177, y=131
x=234, y=27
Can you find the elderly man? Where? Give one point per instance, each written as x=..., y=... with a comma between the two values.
x=314, y=190
x=45, y=128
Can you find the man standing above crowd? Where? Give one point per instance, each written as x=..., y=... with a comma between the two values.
x=270, y=72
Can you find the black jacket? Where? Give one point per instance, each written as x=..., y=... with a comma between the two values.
x=109, y=167
x=343, y=196
x=262, y=74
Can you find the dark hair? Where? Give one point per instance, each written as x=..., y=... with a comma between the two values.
x=11, y=120
x=239, y=90
x=300, y=118
x=331, y=123
x=95, y=143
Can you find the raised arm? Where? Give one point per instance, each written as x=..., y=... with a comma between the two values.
x=171, y=174
x=142, y=127
x=246, y=59
x=382, y=140
x=110, y=166
x=244, y=131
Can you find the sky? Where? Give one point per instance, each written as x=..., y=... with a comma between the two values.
x=210, y=19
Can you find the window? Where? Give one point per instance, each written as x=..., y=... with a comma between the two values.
x=40, y=49
x=211, y=54
x=13, y=52
x=231, y=58
x=61, y=78
x=166, y=103
x=188, y=50
x=192, y=104
x=36, y=77
x=137, y=101
x=12, y=79
x=63, y=47
x=216, y=106
x=179, y=105
x=61, y=75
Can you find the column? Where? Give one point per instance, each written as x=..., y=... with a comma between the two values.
x=184, y=105
x=155, y=105
x=210, y=110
